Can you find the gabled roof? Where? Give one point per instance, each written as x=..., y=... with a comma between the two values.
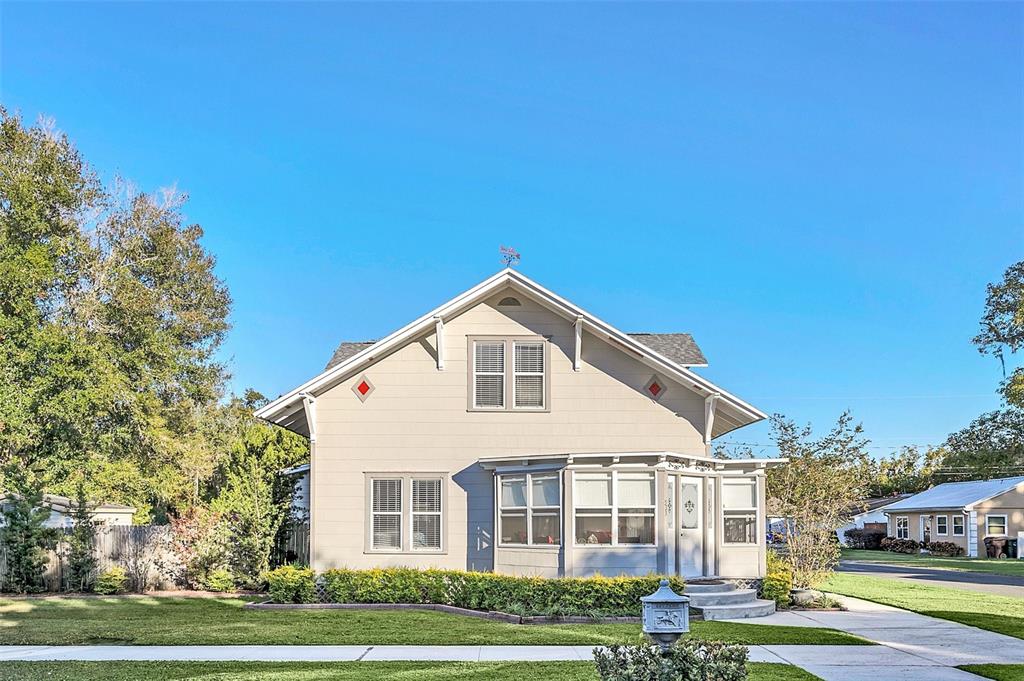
x=678, y=347
x=288, y=409
x=877, y=503
x=67, y=505
x=956, y=495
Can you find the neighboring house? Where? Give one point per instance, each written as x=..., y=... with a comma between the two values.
x=299, y=475
x=871, y=516
x=510, y=430
x=964, y=513
x=62, y=511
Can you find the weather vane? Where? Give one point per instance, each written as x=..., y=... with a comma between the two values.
x=509, y=256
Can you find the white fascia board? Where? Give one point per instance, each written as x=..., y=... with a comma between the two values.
x=492, y=460
x=523, y=283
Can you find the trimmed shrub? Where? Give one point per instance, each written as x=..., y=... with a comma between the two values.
x=858, y=538
x=943, y=548
x=111, y=581
x=900, y=545
x=778, y=580
x=488, y=591
x=687, y=660
x=290, y=584
x=219, y=580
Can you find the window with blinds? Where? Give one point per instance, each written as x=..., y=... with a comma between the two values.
x=529, y=375
x=426, y=514
x=614, y=507
x=406, y=513
x=509, y=373
x=489, y=374
x=386, y=514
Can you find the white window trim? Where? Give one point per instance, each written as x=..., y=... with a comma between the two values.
x=406, y=513
x=740, y=511
x=946, y=523
x=529, y=508
x=615, y=510
x=508, y=395
x=906, y=520
x=1006, y=525
x=963, y=525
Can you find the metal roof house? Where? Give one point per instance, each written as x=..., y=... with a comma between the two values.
x=510, y=430
x=964, y=513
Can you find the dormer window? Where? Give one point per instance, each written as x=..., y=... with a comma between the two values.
x=508, y=374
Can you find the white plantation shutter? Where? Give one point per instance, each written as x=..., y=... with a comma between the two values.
x=636, y=490
x=593, y=489
x=426, y=514
x=387, y=514
x=489, y=374
x=529, y=374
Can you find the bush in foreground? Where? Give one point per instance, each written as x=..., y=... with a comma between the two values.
x=688, y=660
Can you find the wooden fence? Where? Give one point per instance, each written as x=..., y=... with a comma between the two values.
x=142, y=550
x=296, y=547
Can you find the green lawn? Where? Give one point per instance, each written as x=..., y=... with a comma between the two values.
x=336, y=671
x=999, y=672
x=207, y=621
x=999, y=567
x=1002, y=614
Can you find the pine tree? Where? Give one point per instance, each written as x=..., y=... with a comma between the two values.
x=81, y=545
x=24, y=537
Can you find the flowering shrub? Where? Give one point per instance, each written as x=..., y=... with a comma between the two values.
x=778, y=580
x=687, y=660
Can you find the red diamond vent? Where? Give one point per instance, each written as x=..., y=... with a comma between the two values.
x=364, y=388
x=655, y=389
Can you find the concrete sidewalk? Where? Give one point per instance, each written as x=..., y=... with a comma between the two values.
x=916, y=647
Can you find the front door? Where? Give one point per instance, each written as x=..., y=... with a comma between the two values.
x=690, y=526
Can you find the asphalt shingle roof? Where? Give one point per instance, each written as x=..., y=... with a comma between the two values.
x=678, y=347
x=956, y=494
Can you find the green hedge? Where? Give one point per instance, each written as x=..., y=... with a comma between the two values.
x=290, y=584
x=587, y=596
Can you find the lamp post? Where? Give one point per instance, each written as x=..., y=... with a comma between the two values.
x=666, y=616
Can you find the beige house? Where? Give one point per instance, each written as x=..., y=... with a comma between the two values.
x=510, y=430
x=965, y=513
x=62, y=510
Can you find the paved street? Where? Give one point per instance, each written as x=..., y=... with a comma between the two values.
x=1000, y=585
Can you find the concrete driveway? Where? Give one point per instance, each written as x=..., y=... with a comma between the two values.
x=1000, y=585
x=912, y=647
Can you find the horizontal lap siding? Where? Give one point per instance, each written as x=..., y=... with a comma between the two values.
x=416, y=420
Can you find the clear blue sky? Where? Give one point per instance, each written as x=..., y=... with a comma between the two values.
x=818, y=192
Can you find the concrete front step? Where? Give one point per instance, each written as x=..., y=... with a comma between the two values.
x=733, y=597
x=692, y=588
x=754, y=608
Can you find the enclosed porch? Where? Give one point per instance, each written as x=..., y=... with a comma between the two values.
x=629, y=513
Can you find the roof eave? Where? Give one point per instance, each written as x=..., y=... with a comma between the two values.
x=681, y=373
